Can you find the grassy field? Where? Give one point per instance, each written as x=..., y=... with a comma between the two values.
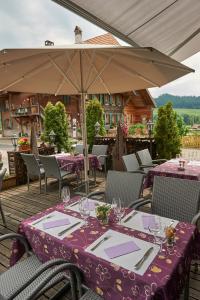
x=189, y=111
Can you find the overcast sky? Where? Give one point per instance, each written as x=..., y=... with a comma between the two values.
x=28, y=23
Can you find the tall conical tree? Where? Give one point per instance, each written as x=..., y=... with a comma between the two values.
x=166, y=134
x=55, y=119
x=94, y=113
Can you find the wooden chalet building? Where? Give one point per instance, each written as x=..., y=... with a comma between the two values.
x=17, y=109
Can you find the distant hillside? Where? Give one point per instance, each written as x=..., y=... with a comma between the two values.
x=179, y=101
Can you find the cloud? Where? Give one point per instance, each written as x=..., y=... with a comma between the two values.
x=29, y=23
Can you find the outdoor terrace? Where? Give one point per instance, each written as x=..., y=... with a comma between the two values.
x=19, y=204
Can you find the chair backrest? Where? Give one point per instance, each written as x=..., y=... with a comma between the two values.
x=144, y=157
x=32, y=165
x=51, y=166
x=127, y=186
x=175, y=198
x=2, y=174
x=79, y=148
x=130, y=162
x=100, y=150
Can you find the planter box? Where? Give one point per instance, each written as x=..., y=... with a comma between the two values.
x=9, y=182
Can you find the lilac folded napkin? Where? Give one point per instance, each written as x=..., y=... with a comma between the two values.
x=90, y=205
x=148, y=221
x=121, y=249
x=56, y=223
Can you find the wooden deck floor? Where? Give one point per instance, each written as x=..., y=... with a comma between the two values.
x=19, y=204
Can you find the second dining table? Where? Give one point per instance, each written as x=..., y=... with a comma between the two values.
x=107, y=254
x=75, y=163
x=171, y=168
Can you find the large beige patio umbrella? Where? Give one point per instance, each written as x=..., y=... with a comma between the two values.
x=86, y=69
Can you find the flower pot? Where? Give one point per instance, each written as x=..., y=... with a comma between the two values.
x=9, y=182
x=24, y=147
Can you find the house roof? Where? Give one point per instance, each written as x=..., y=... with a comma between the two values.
x=104, y=39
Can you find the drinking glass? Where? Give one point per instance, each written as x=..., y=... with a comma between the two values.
x=65, y=195
x=155, y=228
x=84, y=209
x=119, y=209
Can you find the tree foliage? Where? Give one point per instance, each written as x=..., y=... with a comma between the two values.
x=55, y=118
x=182, y=128
x=179, y=101
x=168, y=141
x=94, y=113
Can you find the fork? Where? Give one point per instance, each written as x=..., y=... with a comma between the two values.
x=100, y=242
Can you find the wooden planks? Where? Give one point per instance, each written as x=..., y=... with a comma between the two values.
x=18, y=204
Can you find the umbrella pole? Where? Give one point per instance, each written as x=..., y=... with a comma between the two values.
x=85, y=148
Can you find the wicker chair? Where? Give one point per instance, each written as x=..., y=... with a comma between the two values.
x=29, y=278
x=34, y=169
x=146, y=161
x=2, y=174
x=52, y=170
x=174, y=198
x=132, y=165
x=79, y=148
x=125, y=185
x=101, y=152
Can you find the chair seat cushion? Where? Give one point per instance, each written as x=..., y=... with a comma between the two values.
x=90, y=295
x=65, y=173
x=17, y=275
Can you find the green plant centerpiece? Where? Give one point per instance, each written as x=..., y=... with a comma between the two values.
x=102, y=213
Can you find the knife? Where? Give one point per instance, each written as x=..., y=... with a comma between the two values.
x=142, y=260
x=133, y=214
x=73, y=203
x=65, y=230
x=44, y=218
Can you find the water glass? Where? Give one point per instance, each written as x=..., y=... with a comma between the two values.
x=155, y=228
x=65, y=195
x=84, y=209
x=119, y=209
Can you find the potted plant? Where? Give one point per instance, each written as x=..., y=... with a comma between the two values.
x=24, y=144
x=102, y=213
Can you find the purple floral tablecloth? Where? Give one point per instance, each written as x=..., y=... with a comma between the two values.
x=75, y=164
x=164, y=278
x=168, y=169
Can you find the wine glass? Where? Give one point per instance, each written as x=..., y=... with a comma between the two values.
x=155, y=228
x=65, y=195
x=119, y=209
x=84, y=209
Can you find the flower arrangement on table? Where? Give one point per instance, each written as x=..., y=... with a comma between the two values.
x=23, y=143
x=170, y=233
x=102, y=213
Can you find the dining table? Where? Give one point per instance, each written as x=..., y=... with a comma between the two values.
x=75, y=163
x=120, y=261
x=171, y=168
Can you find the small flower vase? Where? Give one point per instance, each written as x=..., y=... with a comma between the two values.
x=170, y=241
x=170, y=235
x=103, y=218
x=102, y=214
